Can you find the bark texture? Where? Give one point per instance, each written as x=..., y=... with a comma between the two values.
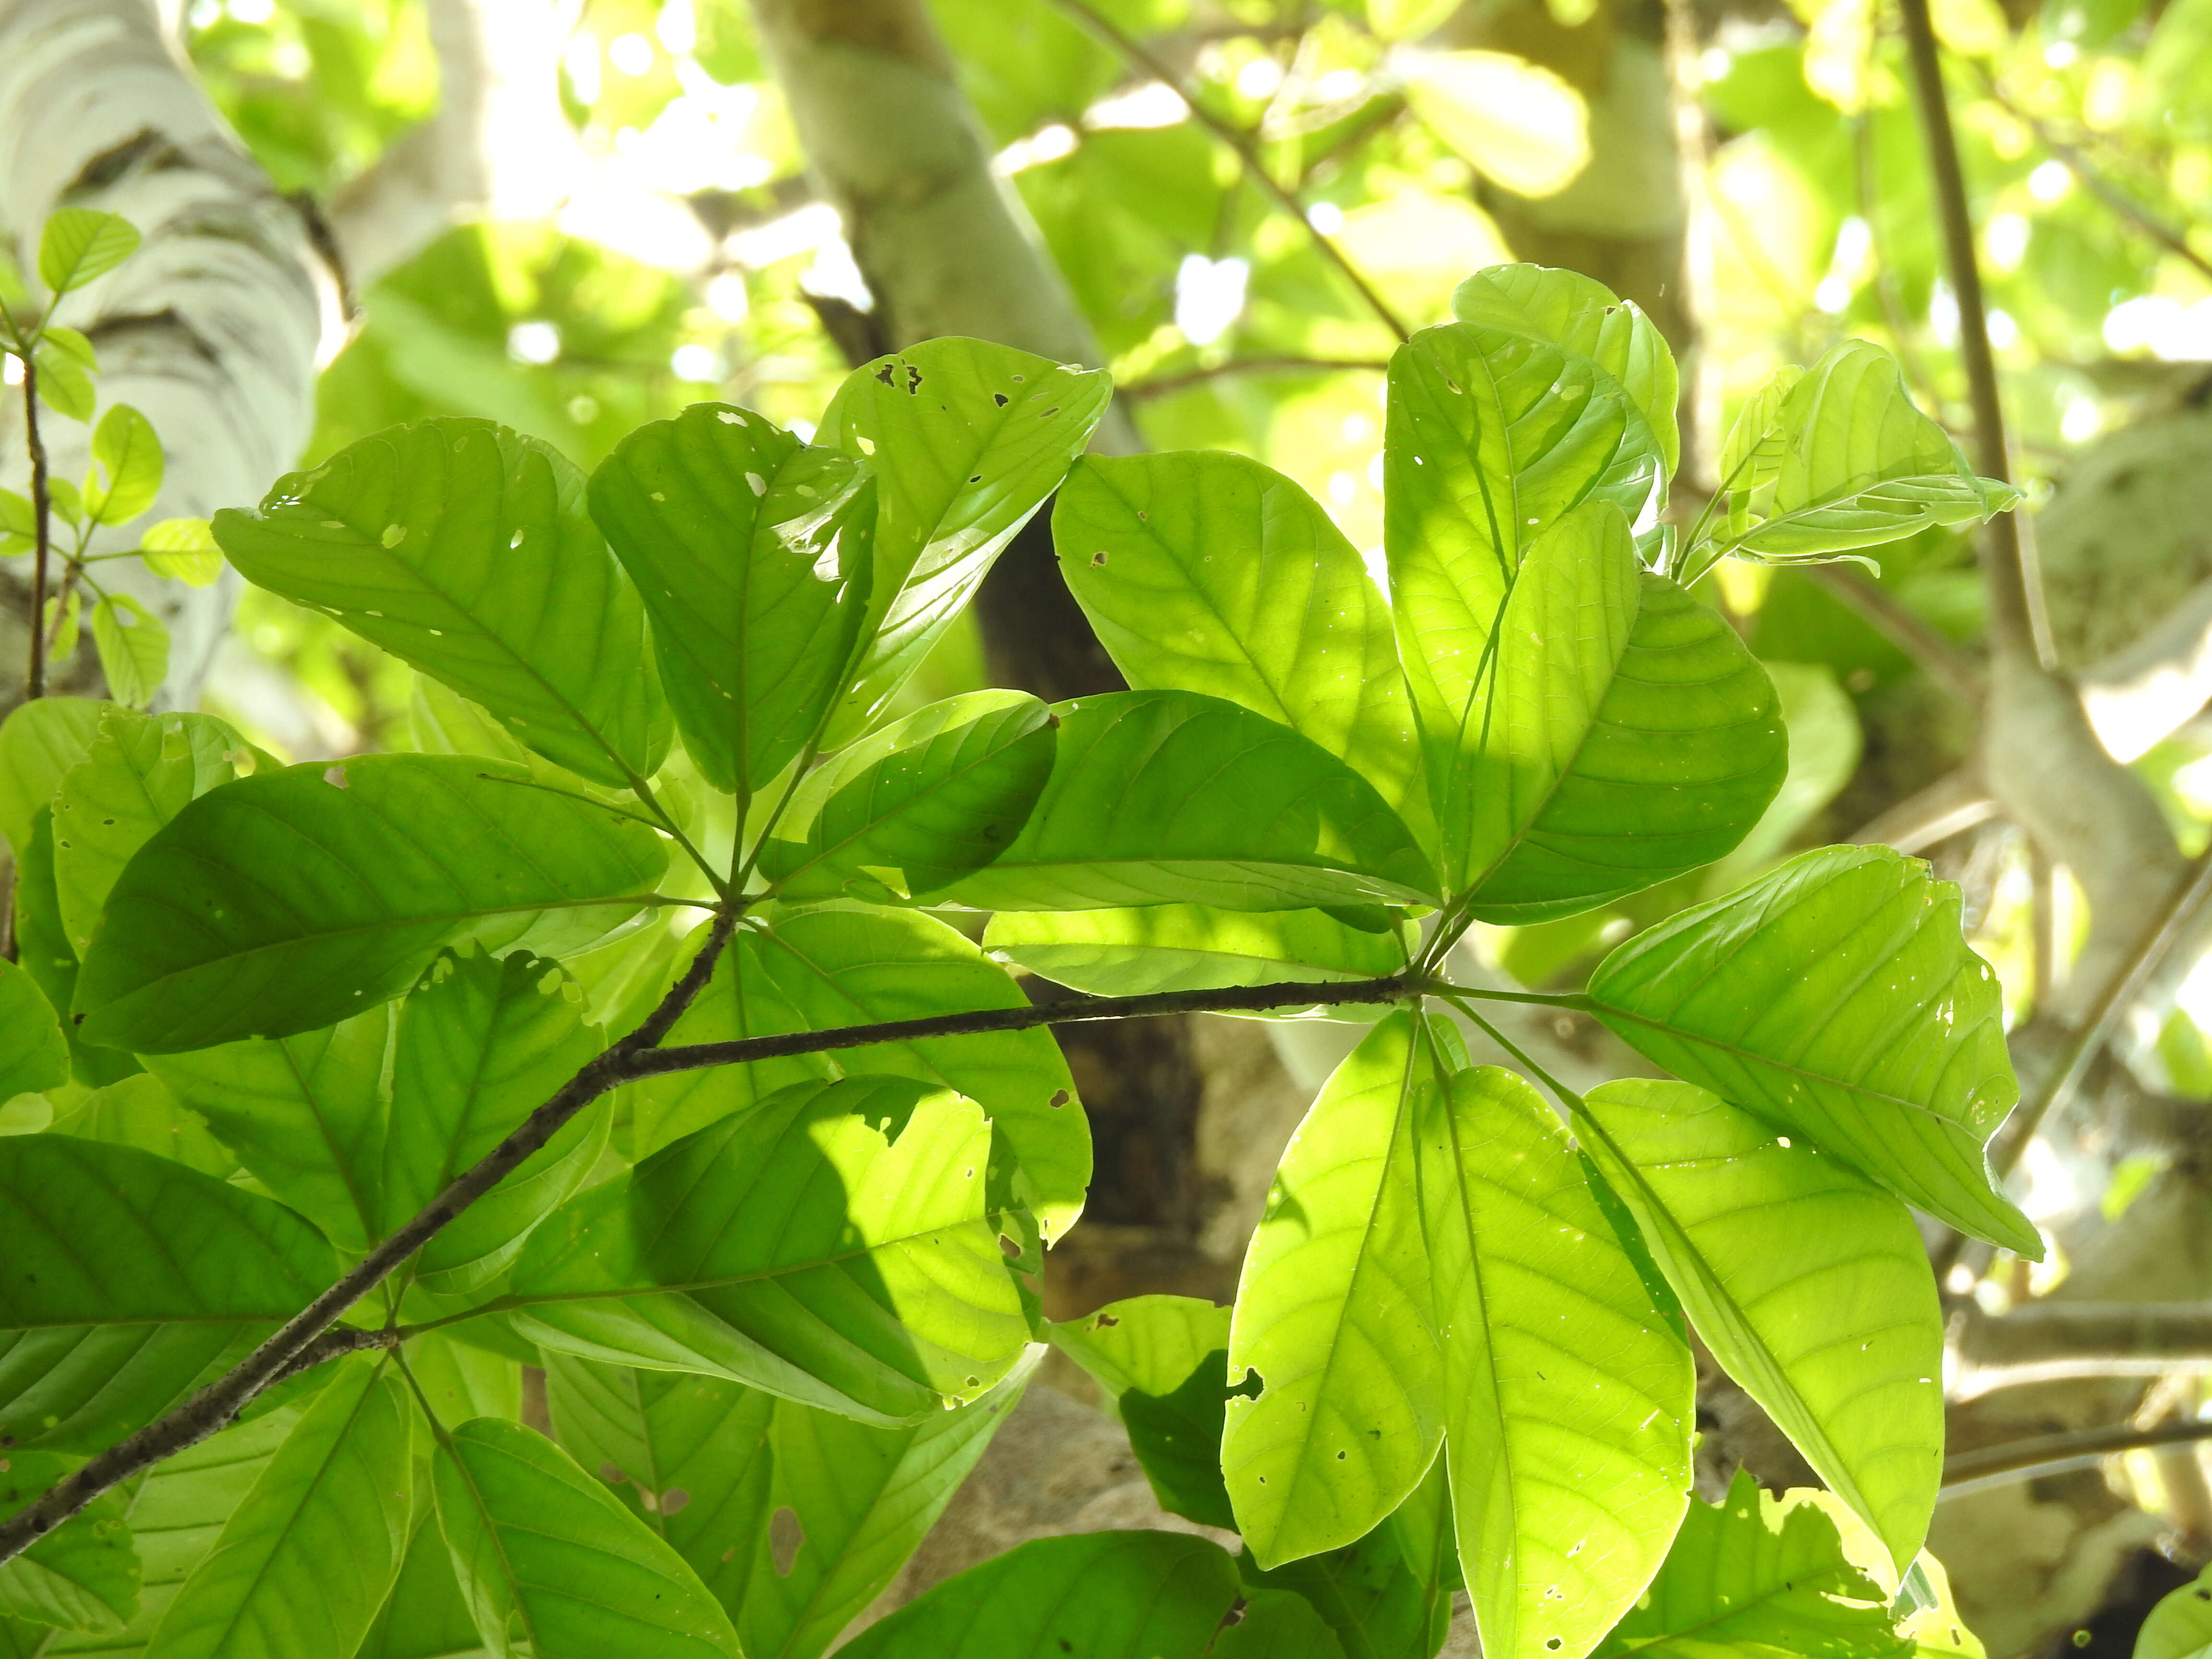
x=213, y=329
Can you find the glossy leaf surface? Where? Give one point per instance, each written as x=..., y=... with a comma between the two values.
x=304, y=1563
x=832, y=1245
x=753, y=552
x=465, y=549
x=1168, y=797
x=1809, y=1284
x=907, y=810
x=291, y=899
x=1836, y=999
x=1568, y=1394
x=553, y=1566
x=967, y=438
x=1207, y=572
x=1334, y=1312
x=127, y=1276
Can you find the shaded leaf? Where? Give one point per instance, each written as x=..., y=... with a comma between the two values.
x=1168, y=797
x=1836, y=999
x=911, y=808
x=552, y=1566
x=33, y=1054
x=83, y=1575
x=424, y=1617
x=126, y=1277
x=304, y=1563
x=465, y=549
x=1165, y=1362
x=1568, y=1394
x=798, y=1248
x=316, y=891
x=1809, y=1284
x=139, y=1111
x=38, y=742
x=753, y=551
x=1332, y=1312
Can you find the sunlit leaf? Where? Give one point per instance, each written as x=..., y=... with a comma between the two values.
x=134, y=649
x=183, y=549
x=126, y=459
x=34, y=1055
x=1164, y=1360
x=140, y=1111
x=40, y=742
x=83, y=1575
x=1515, y=121
x=79, y=244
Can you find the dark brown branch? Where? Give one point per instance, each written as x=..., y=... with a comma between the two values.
x=1949, y=666
x=1255, y=166
x=284, y=1354
x=2018, y=627
x=2057, y=1454
x=1163, y=385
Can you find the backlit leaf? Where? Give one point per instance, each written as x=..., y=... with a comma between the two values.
x=1188, y=947
x=83, y=1575
x=38, y=742
x=34, y=1055
x=183, y=549
x=79, y=244
x=126, y=459
x=134, y=649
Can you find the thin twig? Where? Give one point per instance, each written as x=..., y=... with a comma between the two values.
x=2095, y=179
x=1238, y=140
x=216, y=1406
x=1949, y=666
x=41, y=522
x=2018, y=626
x=2056, y=1454
x=1163, y=385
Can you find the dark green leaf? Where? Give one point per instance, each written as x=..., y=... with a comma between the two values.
x=33, y=1054
x=1093, y=1595
x=1168, y=797
x=127, y=1276
x=465, y=549
x=820, y=970
x=1278, y=1625
x=291, y=899
x=1387, y=1595
x=1836, y=999
x=753, y=551
x=1568, y=1394
x=549, y=1560
x=912, y=808
x=306, y=1560
x=44, y=952
x=1207, y=572
x=82, y=1575
x=1332, y=1313
x=831, y=1245
x=967, y=439
x=482, y=1043
x=139, y=1111
x=1809, y=1284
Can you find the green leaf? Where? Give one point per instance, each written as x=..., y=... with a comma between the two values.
x=305, y=1563
x=1836, y=999
x=1165, y=1362
x=176, y=1512
x=910, y=809
x=1825, y=745
x=1839, y=459
x=1755, y=1575
x=1386, y=1595
x=1627, y=734
x=38, y=742
x=43, y=951
x=19, y=523
x=65, y=387
x=753, y=551
x=1492, y=435
x=850, y=1503
x=33, y=1054
x=305, y=1114
x=482, y=1043
x=139, y=773
x=1093, y=1595
x=63, y=614
x=465, y=549
x=134, y=649
x=1809, y=1284
x=551, y=1564
x=82, y=1575
x=183, y=549
x=1332, y=1312
x=1568, y=1393
x=798, y=1248
x=688, y=1455
x=1168, y=797
x=123, y=446
x=967, y=439
x=1188, y=947
x=2180, y=1625
x=821, y=969
x=79, y=244
x=1207, y=572
x=139, y=1111
x=1278, y=1625
x=1568, y=309
x=127, y=1276
x=315, y=892
x=424, y=1617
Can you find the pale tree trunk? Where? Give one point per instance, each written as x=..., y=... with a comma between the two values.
x=212, y=328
